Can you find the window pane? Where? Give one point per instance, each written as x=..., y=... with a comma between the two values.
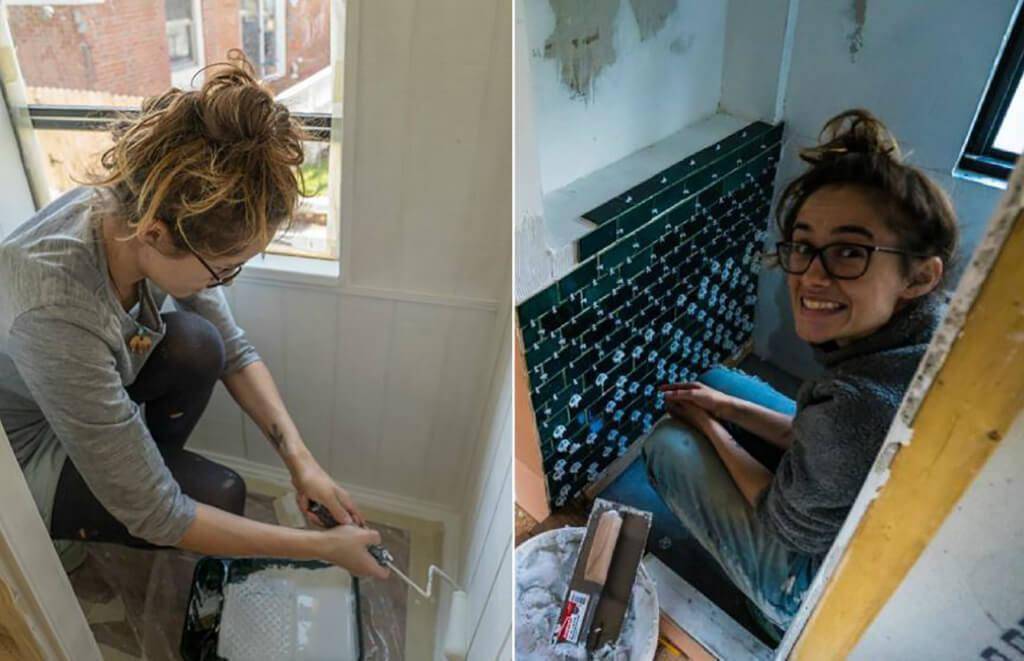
x=88, y=54
x=1011, y=134
x=309, y=235
x=72, y=155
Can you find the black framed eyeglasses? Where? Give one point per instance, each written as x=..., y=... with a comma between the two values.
x=842, y=261
x=219, y=280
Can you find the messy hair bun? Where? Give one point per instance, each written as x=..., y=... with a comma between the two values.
x=856, y=149
x=218, y=165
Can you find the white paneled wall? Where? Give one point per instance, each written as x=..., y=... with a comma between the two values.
x=488, y=553
x=432, y=105
x=386, y=375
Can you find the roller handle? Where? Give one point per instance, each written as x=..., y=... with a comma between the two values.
x=603, y=546
x=379, y=553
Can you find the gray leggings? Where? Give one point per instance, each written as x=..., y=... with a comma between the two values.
x=175, y=385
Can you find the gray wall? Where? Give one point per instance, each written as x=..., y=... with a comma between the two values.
x=919, y=65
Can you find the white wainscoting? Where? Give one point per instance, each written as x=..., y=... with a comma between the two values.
x=386, y=393
x=488, y=551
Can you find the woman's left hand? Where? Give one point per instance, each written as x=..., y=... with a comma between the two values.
x=312, y=483
x=689, y=413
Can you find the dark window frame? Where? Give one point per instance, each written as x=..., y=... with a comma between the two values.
x=99, y=118
x=980, y=155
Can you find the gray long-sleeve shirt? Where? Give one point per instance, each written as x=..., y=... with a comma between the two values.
x=65, y=362
x=841, y=420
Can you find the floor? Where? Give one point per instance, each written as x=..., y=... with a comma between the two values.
x=135, y=600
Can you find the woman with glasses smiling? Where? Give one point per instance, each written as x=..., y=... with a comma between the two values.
x=867, y=242
x=190, y=190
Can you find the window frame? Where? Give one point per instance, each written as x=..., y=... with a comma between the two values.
x=980, y=156
x=280, y=40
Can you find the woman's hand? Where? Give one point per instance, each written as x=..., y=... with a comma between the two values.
x=691, y=414
x=346, y=546
x=705, y=397
x=312, y=483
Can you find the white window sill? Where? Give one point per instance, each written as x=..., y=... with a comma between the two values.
x=564, y=207
x=289, y=270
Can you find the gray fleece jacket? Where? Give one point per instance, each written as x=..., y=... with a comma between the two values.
x=841, y=420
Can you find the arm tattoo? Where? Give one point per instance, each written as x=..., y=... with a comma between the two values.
x=276, y=437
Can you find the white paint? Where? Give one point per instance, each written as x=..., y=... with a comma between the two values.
x=31, y=570
x=486, y=547
x=289, y=613
x=705, y=622
x=922, y=70
x=967, y=587
x=648, y=93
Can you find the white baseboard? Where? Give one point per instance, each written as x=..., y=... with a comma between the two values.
x=257, y=474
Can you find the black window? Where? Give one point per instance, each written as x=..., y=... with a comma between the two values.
x=997, y=138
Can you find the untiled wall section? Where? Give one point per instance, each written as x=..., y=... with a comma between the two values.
x=666, y=287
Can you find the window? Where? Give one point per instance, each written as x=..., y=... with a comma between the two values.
x=263, y=35
x=79, y=67
x=997, y=138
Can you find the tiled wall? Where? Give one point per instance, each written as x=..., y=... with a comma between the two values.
x=665, y=287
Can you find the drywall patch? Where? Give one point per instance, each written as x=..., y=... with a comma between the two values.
x=581, y=42
x=859, y=11
x=651, y=15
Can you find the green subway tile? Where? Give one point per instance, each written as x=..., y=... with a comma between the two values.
x=607, y=211
x=538, y=304
x=593, y=243
x=614, y=256
x=580, y=277
x=639, y=262
x=540, y=351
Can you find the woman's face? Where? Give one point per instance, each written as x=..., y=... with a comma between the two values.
x=182, y=274
x=826, y=309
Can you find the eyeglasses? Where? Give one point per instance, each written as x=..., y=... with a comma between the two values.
x=219, y=280
x=842, y=261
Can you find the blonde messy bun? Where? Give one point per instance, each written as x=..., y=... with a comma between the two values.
x=218, y=165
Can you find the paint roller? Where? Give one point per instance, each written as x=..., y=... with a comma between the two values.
x=456, y=638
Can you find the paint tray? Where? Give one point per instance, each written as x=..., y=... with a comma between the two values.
x=215, y=580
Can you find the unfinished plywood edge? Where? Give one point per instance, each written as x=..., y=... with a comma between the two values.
x=16, y=638
x=35, y=585
x=967, y=395
x=531, y=487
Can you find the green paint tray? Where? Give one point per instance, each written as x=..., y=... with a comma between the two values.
x=215, y=577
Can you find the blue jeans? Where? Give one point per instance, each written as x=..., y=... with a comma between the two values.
x=690, y=477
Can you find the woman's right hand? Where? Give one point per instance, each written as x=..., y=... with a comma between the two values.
x=713, y=401
x=346, y=546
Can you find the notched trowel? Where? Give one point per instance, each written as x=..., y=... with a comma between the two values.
x=602, y=581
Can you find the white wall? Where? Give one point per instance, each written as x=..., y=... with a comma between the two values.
x=386, y=376
x=966, y=590
x=756, y=57
x=922, y=68
x=487, y=554
x=653, y=88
